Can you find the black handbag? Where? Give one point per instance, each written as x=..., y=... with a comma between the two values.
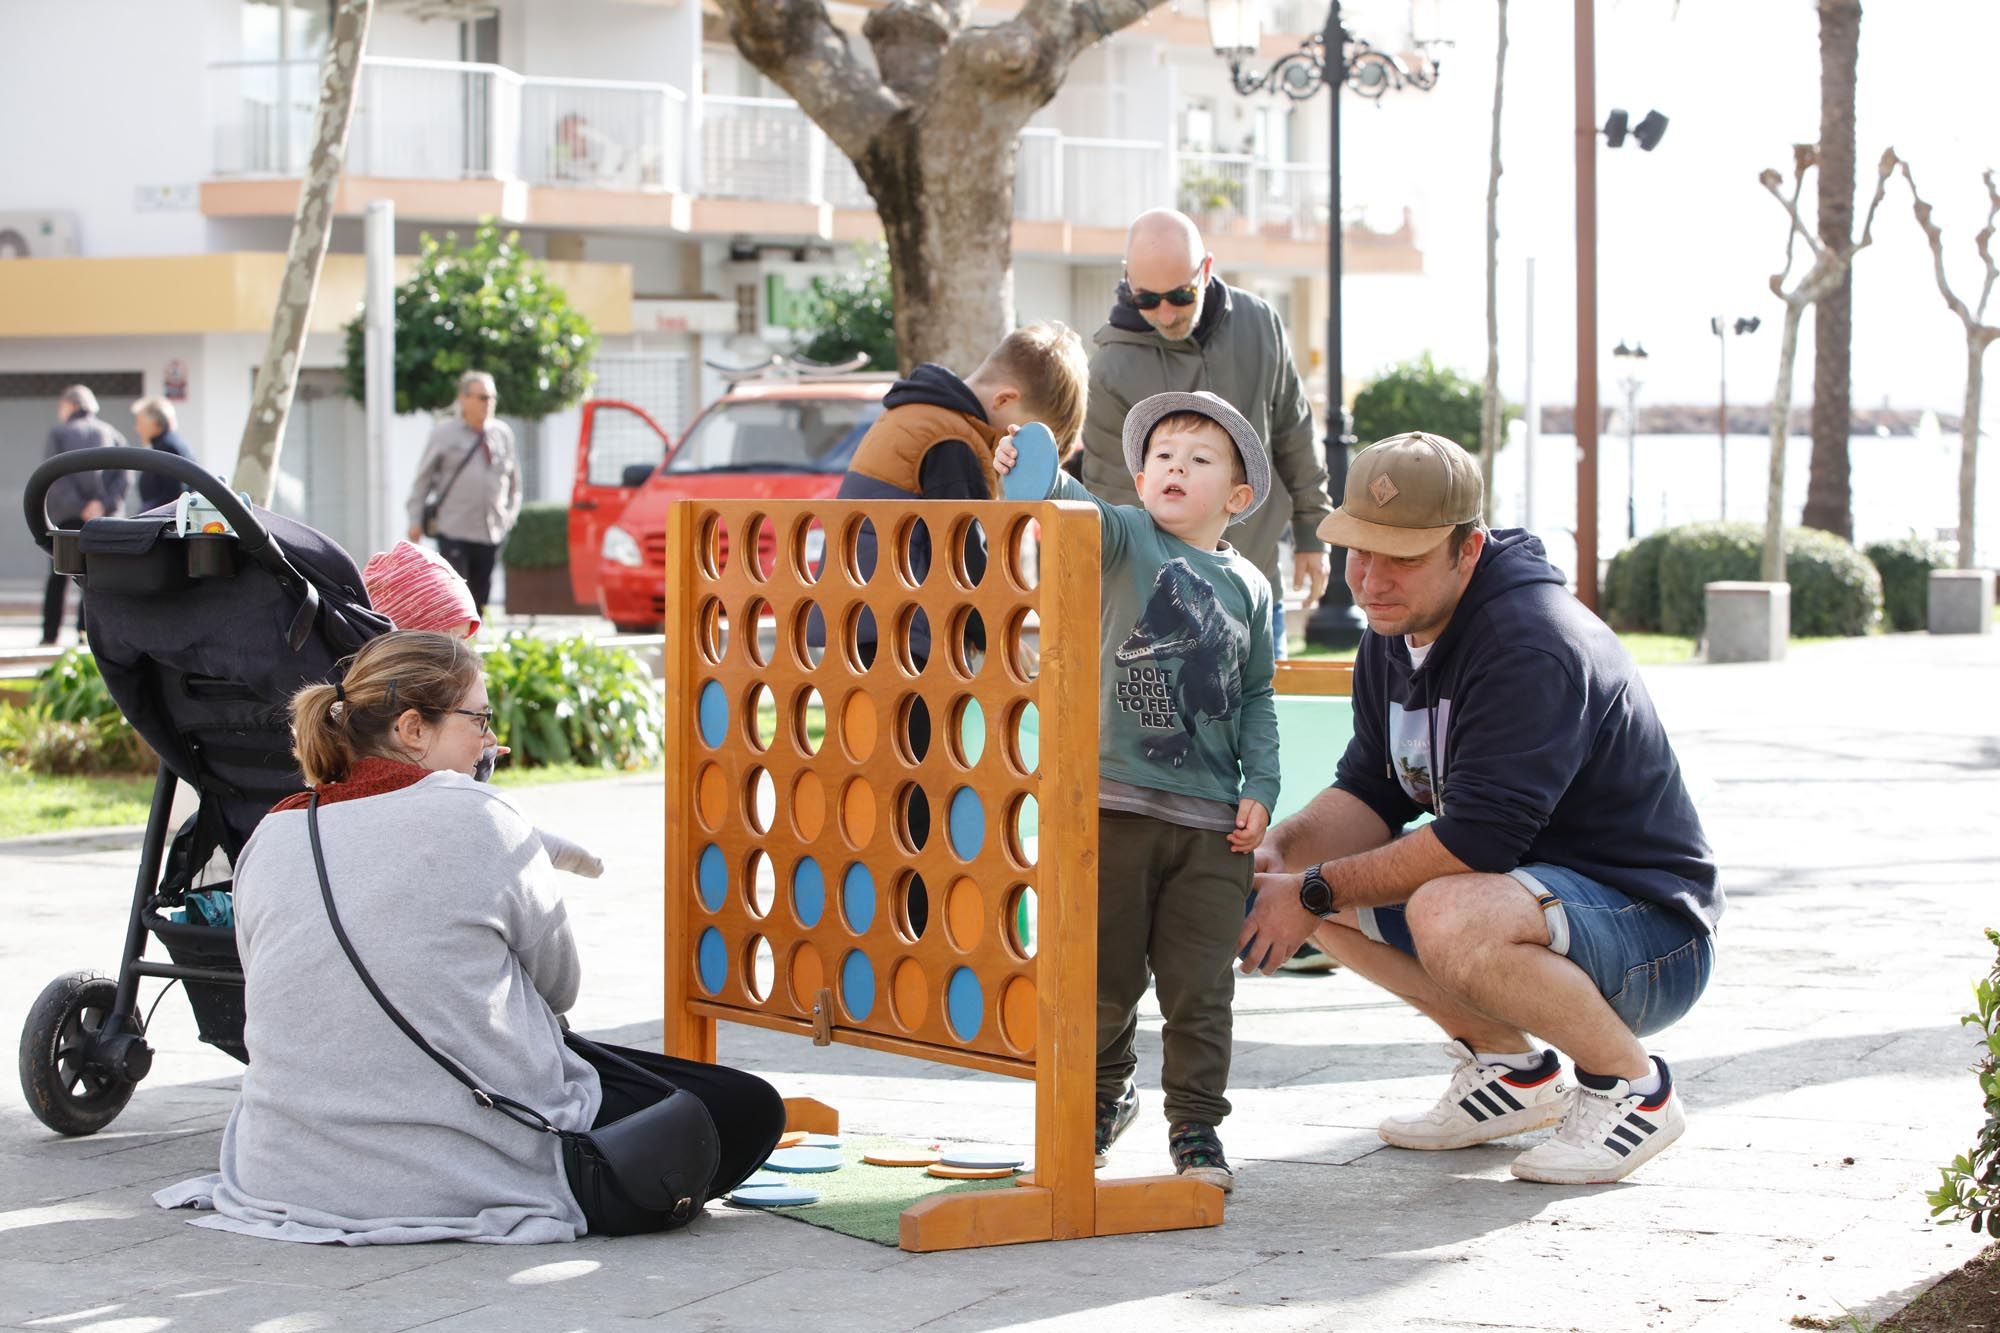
x=659, y=1161
x=432, y=503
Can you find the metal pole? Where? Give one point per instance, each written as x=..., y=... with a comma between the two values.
x=1586, y=305
x=378, y=328
x=1631, y=461
x=1722, y=407
x=1334, y=623
x=1531, y=408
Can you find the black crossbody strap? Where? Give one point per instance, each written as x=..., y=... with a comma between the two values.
x=453, y=480
x=507, y=1106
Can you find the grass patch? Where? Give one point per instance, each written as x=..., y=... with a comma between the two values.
x=544, y=775
x=1657, y=649
x=30, y=803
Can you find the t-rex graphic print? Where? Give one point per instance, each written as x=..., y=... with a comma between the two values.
x=1185, y=623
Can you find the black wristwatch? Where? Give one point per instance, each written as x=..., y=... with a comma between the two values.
x=1316, y=895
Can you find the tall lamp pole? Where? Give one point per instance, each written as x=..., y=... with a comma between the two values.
x=1333, y=59
x=1721, y=328
x=1630, y=362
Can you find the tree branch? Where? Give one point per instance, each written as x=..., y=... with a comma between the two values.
x=1040, y=42
x=909, y=38
x=796, y=45
x=1983, y=243
x=1935, y=235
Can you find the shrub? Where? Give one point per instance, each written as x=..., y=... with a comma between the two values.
x=1905, y=566
x=1419, y=395
x=852, y=311
x=72, y=689
x=35, y=738
x=1971, y=1184
x=1834, y=588
x=569, y=701
x=540, y=539
x=1632, y=584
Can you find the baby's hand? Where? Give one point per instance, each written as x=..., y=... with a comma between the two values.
x=566, y=855
x=1005, y=455
x=1251, y=821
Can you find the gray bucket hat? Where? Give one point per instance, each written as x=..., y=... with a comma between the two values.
x=1149, y=412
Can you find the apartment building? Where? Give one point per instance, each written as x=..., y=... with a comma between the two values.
x=674, y=192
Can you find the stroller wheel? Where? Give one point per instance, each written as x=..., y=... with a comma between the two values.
x=67, y=1089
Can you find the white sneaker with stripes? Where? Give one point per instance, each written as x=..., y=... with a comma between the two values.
x=1606, y=1134
x=1483, y=1103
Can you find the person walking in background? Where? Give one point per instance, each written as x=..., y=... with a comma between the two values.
x=467, y=493
x=153, y=419
x=79, y=497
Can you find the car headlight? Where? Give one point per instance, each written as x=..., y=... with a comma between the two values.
x=620, y=549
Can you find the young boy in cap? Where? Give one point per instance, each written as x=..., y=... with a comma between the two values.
x=1187, y=757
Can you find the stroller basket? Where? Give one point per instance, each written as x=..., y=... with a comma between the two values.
x=218, y=1006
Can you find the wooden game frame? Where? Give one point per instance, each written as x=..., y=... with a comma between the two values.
x=730, y=563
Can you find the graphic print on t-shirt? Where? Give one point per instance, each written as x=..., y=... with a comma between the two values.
x=1182, y=663
x=1410, y=749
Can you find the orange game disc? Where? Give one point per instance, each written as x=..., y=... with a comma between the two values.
x=969, y=1173
x=900, y=1157
x=792, y=1139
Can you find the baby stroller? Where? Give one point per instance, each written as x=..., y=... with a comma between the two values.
x=202, y=639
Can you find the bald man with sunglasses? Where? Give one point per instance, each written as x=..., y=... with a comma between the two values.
x=1176, y=327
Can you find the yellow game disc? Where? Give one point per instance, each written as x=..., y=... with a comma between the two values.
x=900, y=1157
x=970, y=1173
x=792, y=1139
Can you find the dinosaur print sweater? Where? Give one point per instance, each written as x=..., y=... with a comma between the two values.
x=1185, y=696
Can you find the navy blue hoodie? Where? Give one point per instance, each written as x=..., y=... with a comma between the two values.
x=1549, y=748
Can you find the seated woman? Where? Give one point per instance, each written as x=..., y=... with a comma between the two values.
x=346, y=1131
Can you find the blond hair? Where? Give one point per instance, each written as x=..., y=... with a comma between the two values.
x=1046, y=362
x=335, y=725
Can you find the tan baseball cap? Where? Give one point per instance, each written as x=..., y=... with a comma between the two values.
x=1404, y=495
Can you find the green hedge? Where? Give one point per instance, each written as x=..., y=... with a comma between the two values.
x=569, y=701
x=540, y=539
x=1905, y=566
x=1632, y=584
x=1835, y=590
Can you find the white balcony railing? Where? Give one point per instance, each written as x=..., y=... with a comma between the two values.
x=1236, y=194
x=597, y=132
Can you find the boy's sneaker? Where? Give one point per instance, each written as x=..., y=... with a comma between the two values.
x=1114, y=1114
x=1607, y=1133
x=1482, y=1103
x=1197, y=1152
x=1310, y=958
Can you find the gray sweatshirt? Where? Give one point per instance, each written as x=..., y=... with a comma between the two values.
x=345, y=1131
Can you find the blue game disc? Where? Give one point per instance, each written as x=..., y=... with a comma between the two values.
x=981, y=1159
x=803, y=1160
x=820, y=1141
x=1034, y=472
x=782, y=1195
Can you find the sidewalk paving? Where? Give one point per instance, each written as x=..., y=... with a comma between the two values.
x=1852, y=793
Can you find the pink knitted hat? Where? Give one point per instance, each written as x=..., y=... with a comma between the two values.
x=416, y=589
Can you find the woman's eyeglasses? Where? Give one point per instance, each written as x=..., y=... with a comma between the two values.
x=483, y=716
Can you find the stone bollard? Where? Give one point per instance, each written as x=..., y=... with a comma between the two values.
x=1961, y=601
x=1748, y=622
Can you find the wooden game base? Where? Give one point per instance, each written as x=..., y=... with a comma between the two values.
x=1027, y=1213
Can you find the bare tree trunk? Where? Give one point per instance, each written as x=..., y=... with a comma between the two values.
x=1829, y=493
x=1968, y=438
x=1781, y=413
x=277, y=377
x=1492, y=419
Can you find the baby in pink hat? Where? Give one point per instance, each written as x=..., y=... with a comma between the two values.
x=416, y=589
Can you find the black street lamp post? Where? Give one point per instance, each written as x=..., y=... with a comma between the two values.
x=1332, y=59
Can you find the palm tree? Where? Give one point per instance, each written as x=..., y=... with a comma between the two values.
x=1829, y=497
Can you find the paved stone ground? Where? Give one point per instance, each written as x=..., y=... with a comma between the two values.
x=1852, y=793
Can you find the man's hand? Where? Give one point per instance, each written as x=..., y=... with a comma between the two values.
x=1310, y=570
x=1276, y=926
x=1251, y=821
x=416, y=533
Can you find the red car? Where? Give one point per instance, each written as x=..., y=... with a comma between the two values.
x=788, y=439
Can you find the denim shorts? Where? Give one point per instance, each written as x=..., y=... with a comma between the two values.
x=1650, y=961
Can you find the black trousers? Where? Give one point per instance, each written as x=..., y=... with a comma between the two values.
x=748, y=1114
x=52, y=607
x=474, y=563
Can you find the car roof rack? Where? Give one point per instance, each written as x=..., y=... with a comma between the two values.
x=780, y=369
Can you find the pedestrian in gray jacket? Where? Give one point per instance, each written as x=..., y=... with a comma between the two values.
x=471, y=473
x=1176, y=327
x=76, y=499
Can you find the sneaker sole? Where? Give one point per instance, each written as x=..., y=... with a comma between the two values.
x=1499, y=1127
x=1578, y=1175
x=1323, y=963
x=1208, y=1175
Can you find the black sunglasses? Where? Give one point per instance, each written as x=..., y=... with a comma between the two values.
x=1182, y=296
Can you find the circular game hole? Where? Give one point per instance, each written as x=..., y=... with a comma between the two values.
x=1018, y=1012
x=913, y=818
x=967, y=642
x=909, y=994
x=713, y=630
x=759, y=968
x=913, y=551
x=711, y=550
x=913, y=640
x=1023, y=829
x=762, y=716
x=857, y=986
x=910, y=904
x=808, y=892
x=1024, y=554
x=711, y=961
x=808, y=721
x=760, y=885
x=964, y=1003
x=806, y=976
x=858, y=645
x=968, y=553
x=808, y=635
x=913, y=729
x=857, y=812
x=808, y=549
x=857, y=549
x=754, y=623
x=711, y=796
x=1024, y=739
x=712, y=714
x=964, y=915
x=967, y=731
x=711, y=877
x=808, y=805
x=967, y=823
x=857, y=898
x=1020, y=922
x=857, y=725
x=760, y=542
x=760, y=799
x=1021, y=651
